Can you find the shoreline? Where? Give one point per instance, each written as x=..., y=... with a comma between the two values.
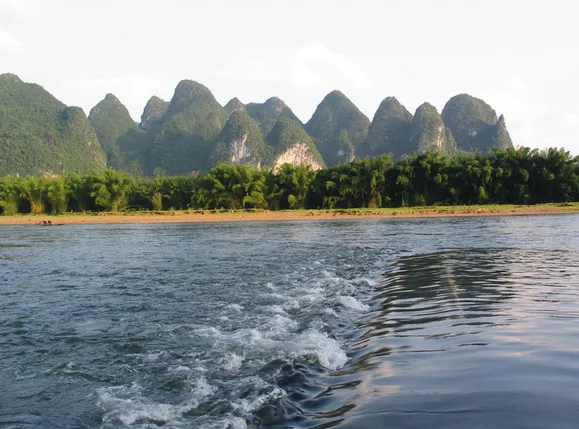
x=190, y=216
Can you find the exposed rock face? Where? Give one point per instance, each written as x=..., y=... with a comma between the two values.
x=338, y=128
x=266, y=114
x=428, y=132
x=299, y=153
x=389, y=131
x=153, y=112
x=234, y=105
x=474, y=124
x=39, y=134
x=240, y=142
x=292, y=145
x=502, y=138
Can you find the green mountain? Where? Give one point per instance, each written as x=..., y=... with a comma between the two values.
x=338, y=128
x=111, y=120
x=186, y=132
x=428, y=132
x=41, y=135
x=153, y=113
x=240, y=142
x=234, y=105
x=474, y=124
x=266, y=114
x=389, y=131
x=291, y=144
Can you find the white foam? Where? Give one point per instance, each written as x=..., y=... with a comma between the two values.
x=276, y=309
x=352, y=303
x=231, y=362
x=248, y=405
x=234, y=307
x=330, y=312
x=125, y=404
x=327, y=350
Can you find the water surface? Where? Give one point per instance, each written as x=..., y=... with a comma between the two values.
x=454, y=323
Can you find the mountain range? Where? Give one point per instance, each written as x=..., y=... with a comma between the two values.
x=193, y=132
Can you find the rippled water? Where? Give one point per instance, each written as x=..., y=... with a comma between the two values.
x=454, y=323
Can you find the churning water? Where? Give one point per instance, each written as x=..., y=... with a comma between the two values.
x=439, y=323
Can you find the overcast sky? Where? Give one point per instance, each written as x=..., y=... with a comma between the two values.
x=521, y=56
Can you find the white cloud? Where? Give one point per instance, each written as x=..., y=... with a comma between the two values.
x=571, y=119
x=311, y=66
x=315, y=66
x=17, y=7
x=9, y=42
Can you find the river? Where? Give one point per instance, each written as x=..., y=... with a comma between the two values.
x=415, y=323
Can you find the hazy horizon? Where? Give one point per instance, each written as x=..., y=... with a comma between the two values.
x=517, y=56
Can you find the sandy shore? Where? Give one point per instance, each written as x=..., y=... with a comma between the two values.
x=262, y=216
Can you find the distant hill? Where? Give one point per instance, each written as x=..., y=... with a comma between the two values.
x=474, y=124
x=266, y=114
x=428, y=132
x=193, y=132
x=41, y=135
x=240, y=142
x=291, y=144
x=185, y=134
x=338, y=128
x=111, y=120
x=389, y=131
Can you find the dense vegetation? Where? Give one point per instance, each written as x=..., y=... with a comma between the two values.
x=40, y=134
x=522, y=176
x=474, y=124
x=338, y=128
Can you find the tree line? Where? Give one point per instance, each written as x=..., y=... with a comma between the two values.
x=521, y=176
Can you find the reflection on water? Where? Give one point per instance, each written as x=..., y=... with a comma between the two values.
x=418, y=323
x=467, y=338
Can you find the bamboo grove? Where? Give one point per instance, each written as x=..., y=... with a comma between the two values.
x=522, y=176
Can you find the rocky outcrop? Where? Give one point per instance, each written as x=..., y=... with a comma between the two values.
x=474, y=124
x=338, y=128
x=266, y=114
x=292, y=145
x=153, y=112
x=428, y=132
x=234, y=105
x=299, y=153
x=240, y=142
x=389, y=131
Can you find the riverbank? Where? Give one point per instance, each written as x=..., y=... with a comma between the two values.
x=288, y=215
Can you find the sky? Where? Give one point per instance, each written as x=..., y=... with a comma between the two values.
x=522, y=57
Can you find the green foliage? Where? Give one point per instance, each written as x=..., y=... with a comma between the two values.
x=240, y=142
x=56, y=195
x=184, y=140
x=9, y=195
x=111, y=190
x=286, y=134
x=389, y=131
x=266, y=114
x=112, y=121
x=154, y=111
x=33, y=190
x=428, y=132
x=338, y=128
x=474, y=124
x=39, y=134
x=234, y=105
x=231, y=186
x=508, y=176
